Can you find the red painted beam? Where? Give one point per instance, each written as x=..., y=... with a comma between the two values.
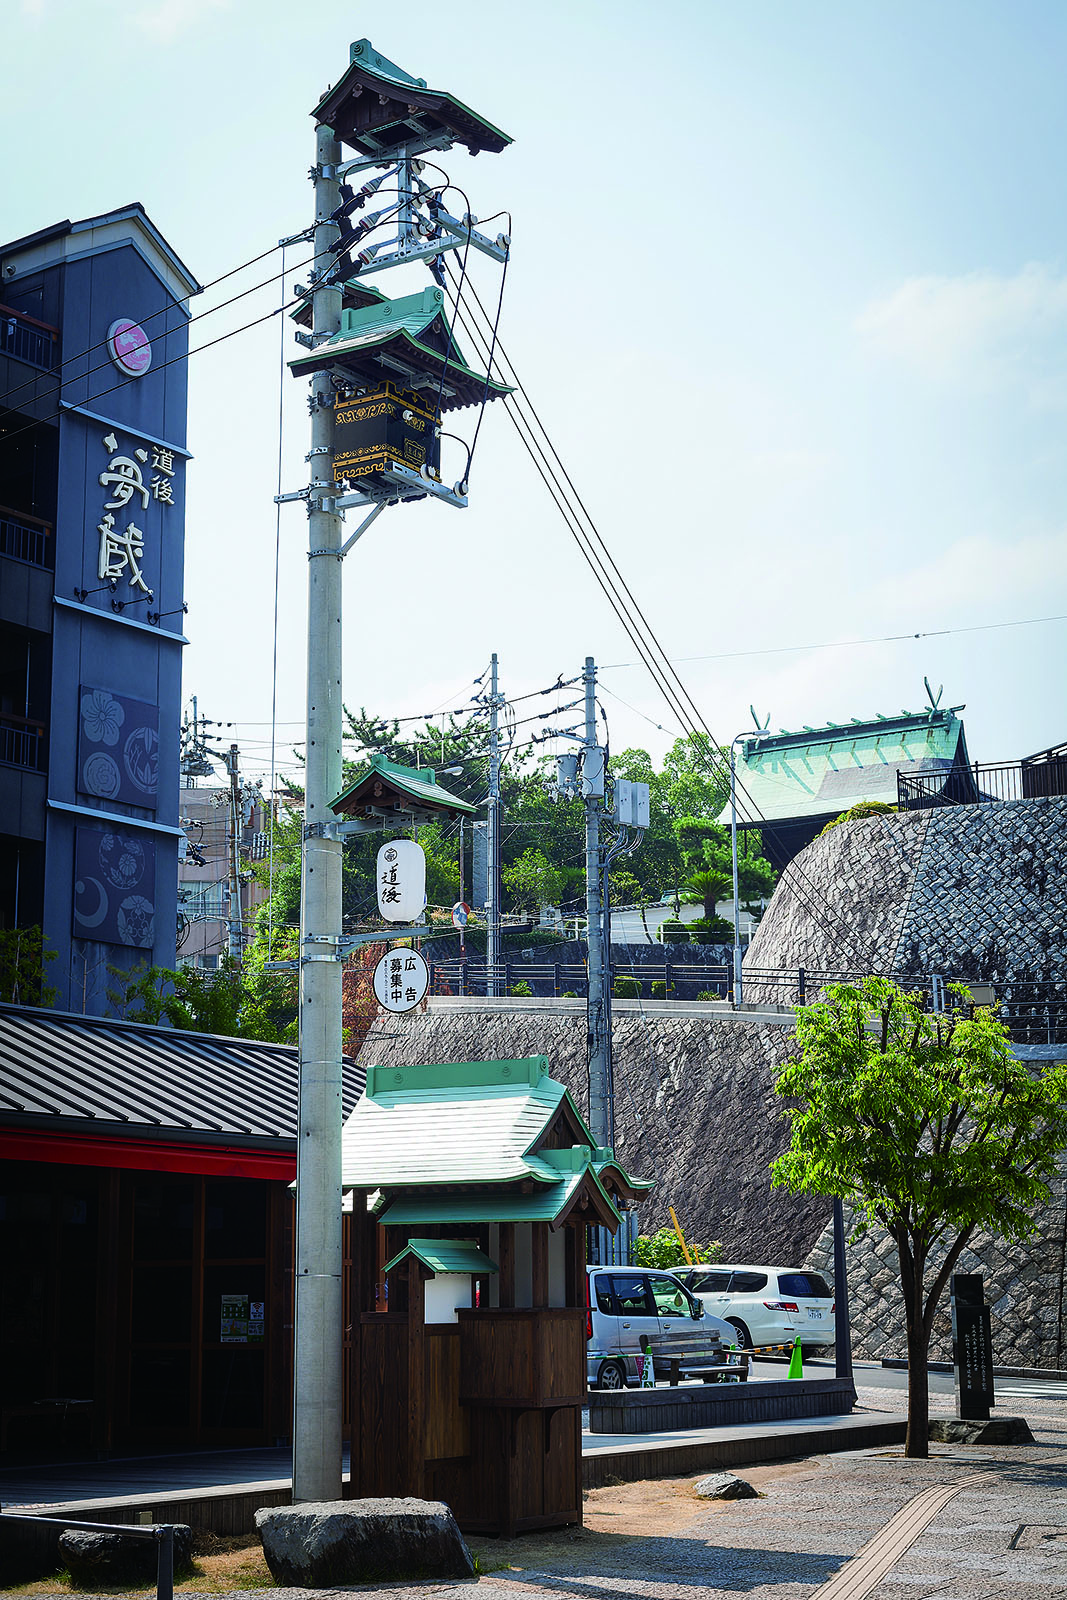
x=149, y=1155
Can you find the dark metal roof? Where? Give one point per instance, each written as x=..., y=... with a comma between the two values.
x=130, y=1078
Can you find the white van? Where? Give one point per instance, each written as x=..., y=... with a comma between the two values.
x=626, y=1302
x=766, y=1305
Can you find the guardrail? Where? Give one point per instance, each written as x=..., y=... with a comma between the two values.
x=25, y=538
x=26, y=339
x=985, y=783
x=22, y=743
x=162, y=1533
x=553, y=979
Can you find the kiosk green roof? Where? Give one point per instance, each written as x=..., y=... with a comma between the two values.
x=478, y=1141
x=445, y=1255
x=407, y=339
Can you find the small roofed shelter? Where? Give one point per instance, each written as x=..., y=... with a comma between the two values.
x=472, y=1186
x=790, y=785
x=378, y=108
x=406, y=340
x=386, y=794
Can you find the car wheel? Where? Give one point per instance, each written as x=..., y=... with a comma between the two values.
x=610, y=1375
x=743, y=1334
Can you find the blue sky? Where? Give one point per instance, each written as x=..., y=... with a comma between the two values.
x=789, y=287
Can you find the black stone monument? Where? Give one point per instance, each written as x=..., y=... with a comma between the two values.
x=972, y=1347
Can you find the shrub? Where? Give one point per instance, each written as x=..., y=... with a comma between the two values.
x=663, y=1249
x=708, y=994
x=713, y=925
x=569, y=994
x=856, y=813
x=521, y=990
x=659, y=988
x=626, y=989
x=672, y=932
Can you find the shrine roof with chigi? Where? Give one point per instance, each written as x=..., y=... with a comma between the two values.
x=824, y=771
x=408, y=339
x=478, y=1141
x=377, y=107
x=385, y=786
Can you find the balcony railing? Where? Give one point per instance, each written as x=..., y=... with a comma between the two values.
x=26, y=538
x=22, y=742
x=26, y=339
x=985, y=782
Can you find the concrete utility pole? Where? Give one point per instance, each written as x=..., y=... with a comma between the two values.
x=317, y=1351
x=235, y=938
x=599, y=1031
x=492, y=909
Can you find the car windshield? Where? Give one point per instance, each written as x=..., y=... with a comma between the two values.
x=805, y=1285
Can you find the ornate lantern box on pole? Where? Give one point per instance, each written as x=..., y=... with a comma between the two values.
x=472, y=1187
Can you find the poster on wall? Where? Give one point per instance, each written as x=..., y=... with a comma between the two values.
x=118, y=747
x=233, y=1327
x=114, y=888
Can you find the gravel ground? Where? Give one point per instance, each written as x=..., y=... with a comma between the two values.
x=1002, y=1538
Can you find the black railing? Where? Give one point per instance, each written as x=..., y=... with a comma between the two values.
x=1034, y=1011
x=984, y=782
x=161, y=1534
x=22, y=743
x=25, y=340
x=24, y=542
x=553, y=979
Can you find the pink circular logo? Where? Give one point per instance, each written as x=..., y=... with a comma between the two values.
x=128, y=347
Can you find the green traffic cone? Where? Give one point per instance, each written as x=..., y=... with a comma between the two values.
x=796, y=1362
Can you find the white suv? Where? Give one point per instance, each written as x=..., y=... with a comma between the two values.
x=767, y=1305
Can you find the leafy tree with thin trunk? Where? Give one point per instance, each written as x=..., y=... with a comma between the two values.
x=926, y=1124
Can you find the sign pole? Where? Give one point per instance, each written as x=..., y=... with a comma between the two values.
x=319, y=1320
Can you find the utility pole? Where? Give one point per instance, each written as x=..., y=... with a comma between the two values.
x=235, y=940
x=598, y=1025
x=317, y=1352
x=492, y=909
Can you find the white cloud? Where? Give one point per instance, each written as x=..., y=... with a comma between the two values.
x=979, y=324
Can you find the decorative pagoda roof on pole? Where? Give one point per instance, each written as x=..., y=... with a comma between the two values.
x=378, y=108
x=387, y=792
x=408, y=338
x=480, y=1141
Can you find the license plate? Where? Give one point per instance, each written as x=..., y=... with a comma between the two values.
x=816, y=1316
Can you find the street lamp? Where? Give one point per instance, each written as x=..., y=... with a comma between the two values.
x=757, y=733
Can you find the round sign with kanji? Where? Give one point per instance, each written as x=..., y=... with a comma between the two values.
x=129, y=348
x=401, y=980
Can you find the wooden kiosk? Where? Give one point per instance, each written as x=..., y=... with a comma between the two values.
x=472, y=1185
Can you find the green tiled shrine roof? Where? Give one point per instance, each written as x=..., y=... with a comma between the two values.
x=824, y=771
x=419, y=784
x=445, y=1255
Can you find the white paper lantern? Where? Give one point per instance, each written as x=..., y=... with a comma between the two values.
x=401, y=880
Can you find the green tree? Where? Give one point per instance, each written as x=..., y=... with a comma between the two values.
x=242, y=1002
x=926, y=1124
x=707, y=889
x=23, y=956
x=663, y=1249
x=532, y=881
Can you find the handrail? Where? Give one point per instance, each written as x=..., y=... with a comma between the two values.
x=161, y=1532
x=24, y=516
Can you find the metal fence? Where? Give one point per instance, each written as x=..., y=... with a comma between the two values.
x=554, y=979
x=985, y=782
x=161, y=1533
x=25, y=342
x=1034, y=1010
x=25, y=543
x=22, y=743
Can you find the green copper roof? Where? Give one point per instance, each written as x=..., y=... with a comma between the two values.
x=544, y=1205
x=412, y=329
x=470, y=1122
x=824, y=771
x=445, y=1255
x=397, y=109
x=418, y=784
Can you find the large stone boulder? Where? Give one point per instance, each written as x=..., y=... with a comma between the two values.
x=95, y=1559
x=317, y=1544
x=965, y=1430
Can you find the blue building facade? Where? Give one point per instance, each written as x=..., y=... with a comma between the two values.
x=93, y=339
